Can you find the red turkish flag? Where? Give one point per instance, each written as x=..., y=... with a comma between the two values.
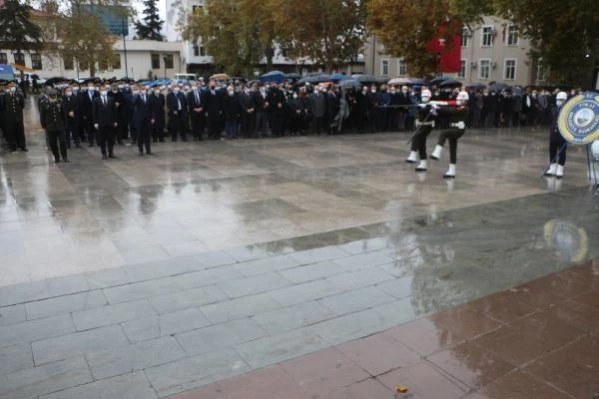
x=449, y=55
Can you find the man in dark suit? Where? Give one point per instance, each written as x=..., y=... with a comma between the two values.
x=157, y=101
x=70, y=104
x=119, y=99
x=318, y=104
x=104, y=117
x=248, y=113
x=214, y=111
x=176, y=104
x=142, y=119
x=261, y=102
x=195, y=102
x=88, y=99
x=11, y=109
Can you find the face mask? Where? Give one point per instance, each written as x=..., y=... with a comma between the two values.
x=392, y=91
x=68, y=93
x=121, y=87
x=559, y=102
x=157, y=91
x=135, y=92
x=295, y=96
x=176, y=90
x=373, y=90
x=231, y=93
x=194, y=88
x=143, y=92
x=91, y=88
x=103, y=93
x=404, y=91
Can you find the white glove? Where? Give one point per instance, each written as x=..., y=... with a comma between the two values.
x=434, y=106
x=418, y=124
x=96, y=126
x=461, y=125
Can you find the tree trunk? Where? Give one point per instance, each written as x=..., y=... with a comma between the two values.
x=269, y=52
x=92, y=69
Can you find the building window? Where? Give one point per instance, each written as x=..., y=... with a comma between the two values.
x=168, y=61
x=3, y=58
x=509, y=69
x=465, y=36
x=102, y=64
x=116, y=61
x=198, y=10
x=486, y=36
x=202, y=51
x=155, y=61
x=484, y=71
x=540, y=71
x=196, y=50
x=19, y=58
x=36, y=61
x=462, y=73
x=68, y=63
x=385, y=67
x=401, y=67
x=512, y=35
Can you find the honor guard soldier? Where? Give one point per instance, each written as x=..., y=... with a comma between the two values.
x=557, y=144
x=425, y=124
x=457, y=127
x=53, y=117
x=12, y=113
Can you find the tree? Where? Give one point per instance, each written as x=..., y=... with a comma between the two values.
x=406, y=27
x=84, y=37
x=236, y=33
x=330, y=32
x=18, y=32
x=152, y=25
x=565, y=34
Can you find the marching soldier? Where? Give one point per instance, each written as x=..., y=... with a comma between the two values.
x=557, y=144
x=457, y=127
x=12, y=112
x=53, y=117
x=425, y=124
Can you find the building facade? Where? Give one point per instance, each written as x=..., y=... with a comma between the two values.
x=142, y=59
x=494, y=51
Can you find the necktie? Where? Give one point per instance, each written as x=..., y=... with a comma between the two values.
x=143, y=97
x=104, y=100
x=197, y=98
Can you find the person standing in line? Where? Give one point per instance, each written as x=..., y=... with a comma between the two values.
x=213, y=110
x=195, y=102
x=53, y=117
x=88, y=113
x=317, y=110
x=104, y=118
x=12, y=112
x=232, y=113
x=157, y=101
x=142, y=118
x=176, y=104
x=248, y=113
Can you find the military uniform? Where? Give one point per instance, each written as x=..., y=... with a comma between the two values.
x=54, y=120
x=425, y=124
x=12, y=113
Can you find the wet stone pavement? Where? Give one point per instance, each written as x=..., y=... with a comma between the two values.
x=309, y=267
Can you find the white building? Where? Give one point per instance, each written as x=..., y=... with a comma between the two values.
x=142, y=58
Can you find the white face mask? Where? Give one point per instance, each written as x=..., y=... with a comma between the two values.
x=373, y=90
x=426, y=99
x=295, y=96
x=176, y=90
x=135, y=92
x=91, y=88
x=231, y=93
x=103, y=93
x=559, y=103
x=68, y=93
x=194, y=88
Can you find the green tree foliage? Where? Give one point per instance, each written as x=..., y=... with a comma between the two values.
x=565, y=34
x=152, y=24
x=236, y=33
x=331, y=32
x=406, y=27
x=18, y=31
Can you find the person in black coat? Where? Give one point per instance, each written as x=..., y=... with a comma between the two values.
x=276, y=110
x=248, y=112
x=232, y=113
x=142, y=118
x=71, y=105
x=176, y=105
x=157, y=101
x=195, y=101
x=88, y=99
x=82, y=124
x=104, y=119
x=121, y=109
x=11, y=109
x=318, y=104
x=214, y=111
x=260, y=99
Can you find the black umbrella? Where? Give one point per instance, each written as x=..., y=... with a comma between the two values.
x=450, y=83
x=350, y=83
x=55, y=80
x=366, y=79
x=438, y=80
x=476, y=86
x=315, y=79
x=293, y=76
x=499, y=87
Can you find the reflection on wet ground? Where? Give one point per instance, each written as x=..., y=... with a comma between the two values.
x=210, y=260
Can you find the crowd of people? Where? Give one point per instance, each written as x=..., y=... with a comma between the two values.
x=107, y=113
